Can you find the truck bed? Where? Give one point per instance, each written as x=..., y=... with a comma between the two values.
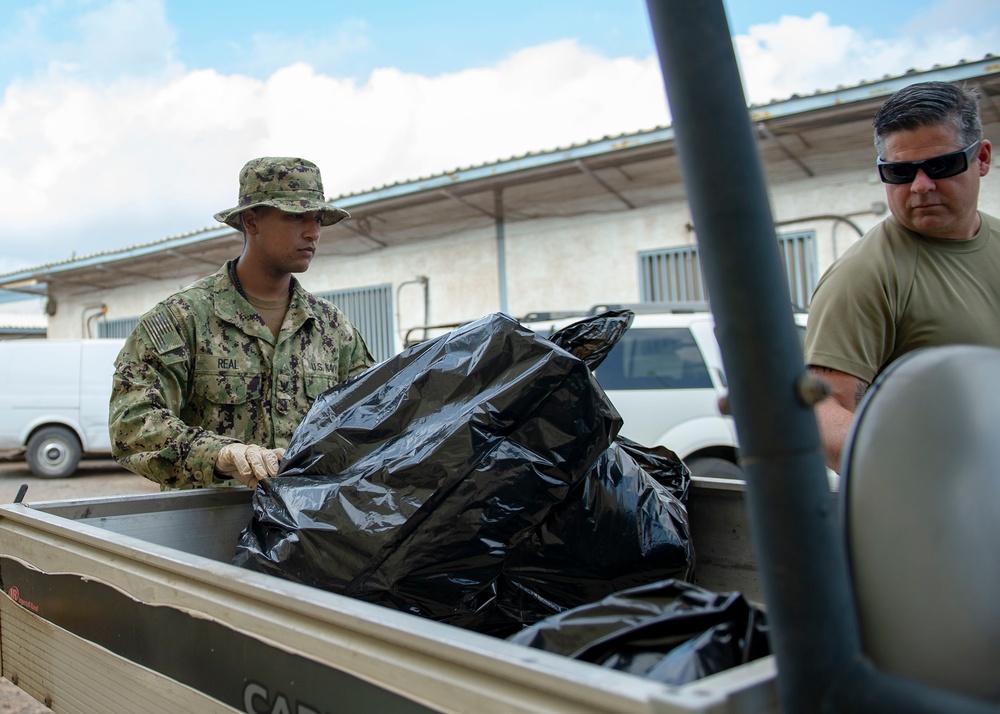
x=130, y=604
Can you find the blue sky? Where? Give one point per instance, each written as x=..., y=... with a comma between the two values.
x=428, y=38
x=126, y=121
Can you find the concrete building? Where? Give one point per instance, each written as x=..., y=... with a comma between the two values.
x=602, y=222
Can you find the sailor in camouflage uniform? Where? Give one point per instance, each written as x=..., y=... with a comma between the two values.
x=213, y=381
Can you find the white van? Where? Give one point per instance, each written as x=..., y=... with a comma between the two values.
x=54, y=397
x=665, y=377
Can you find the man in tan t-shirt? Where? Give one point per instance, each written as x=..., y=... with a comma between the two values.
x=929, y=274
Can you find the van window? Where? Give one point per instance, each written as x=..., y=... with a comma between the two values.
x=655, y=358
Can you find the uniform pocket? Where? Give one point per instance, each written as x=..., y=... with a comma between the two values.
x=318, y=382
x=230, y=403
x=227, y=387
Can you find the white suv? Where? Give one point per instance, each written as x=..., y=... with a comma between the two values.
x=665, y=377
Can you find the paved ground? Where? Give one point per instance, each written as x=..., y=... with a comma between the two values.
x=17, y=701
x=100, y=477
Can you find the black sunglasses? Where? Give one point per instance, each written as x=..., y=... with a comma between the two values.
x=936, y=167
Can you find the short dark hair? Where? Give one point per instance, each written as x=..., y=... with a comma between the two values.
x=930, y=104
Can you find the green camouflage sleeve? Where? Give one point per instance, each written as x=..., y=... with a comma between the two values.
x=150, y=385
x=359, y=358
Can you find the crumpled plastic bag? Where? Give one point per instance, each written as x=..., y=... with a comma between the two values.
x=592, y=338
x=670, y=631
x=473, y=479
x=619, y=528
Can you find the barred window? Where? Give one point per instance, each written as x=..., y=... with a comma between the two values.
x=671, y=275
x=370, y=310
x=674, y=274
x=798, y=253
x=122, y=327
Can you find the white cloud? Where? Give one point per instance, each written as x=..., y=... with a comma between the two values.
x=540, y=98
x=100, y=167
x=799, y=55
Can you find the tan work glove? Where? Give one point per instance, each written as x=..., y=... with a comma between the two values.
x=248, y=463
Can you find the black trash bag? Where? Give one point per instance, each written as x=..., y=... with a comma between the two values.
x=423, y=482
x=618, y=528
x=592, y=338
x=664, y=465
x=671, y=632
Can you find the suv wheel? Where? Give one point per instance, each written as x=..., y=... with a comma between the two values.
x=712, y=467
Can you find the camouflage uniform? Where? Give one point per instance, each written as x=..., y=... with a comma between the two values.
x=202, y=370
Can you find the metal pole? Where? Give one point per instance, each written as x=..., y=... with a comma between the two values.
x=801, y=564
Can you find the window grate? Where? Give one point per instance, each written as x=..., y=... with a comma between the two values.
x=671, y=275
x=370, y=310
x=798, y=253
x=675, y=275
x=122, y=327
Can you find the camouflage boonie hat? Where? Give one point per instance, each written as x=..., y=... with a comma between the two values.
x=290, y=184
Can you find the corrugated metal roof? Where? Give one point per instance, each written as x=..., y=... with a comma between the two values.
x=794, y=105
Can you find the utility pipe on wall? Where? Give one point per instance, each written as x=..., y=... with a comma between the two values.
x=501, y=248
x=87, y=321
x=419, y=280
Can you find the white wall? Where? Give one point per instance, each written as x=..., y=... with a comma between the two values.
x=461, y=271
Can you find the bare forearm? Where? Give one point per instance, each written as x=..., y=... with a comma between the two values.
x=834, y=424
x=835, y=414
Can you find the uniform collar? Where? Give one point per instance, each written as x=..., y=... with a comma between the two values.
x=232, y=306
